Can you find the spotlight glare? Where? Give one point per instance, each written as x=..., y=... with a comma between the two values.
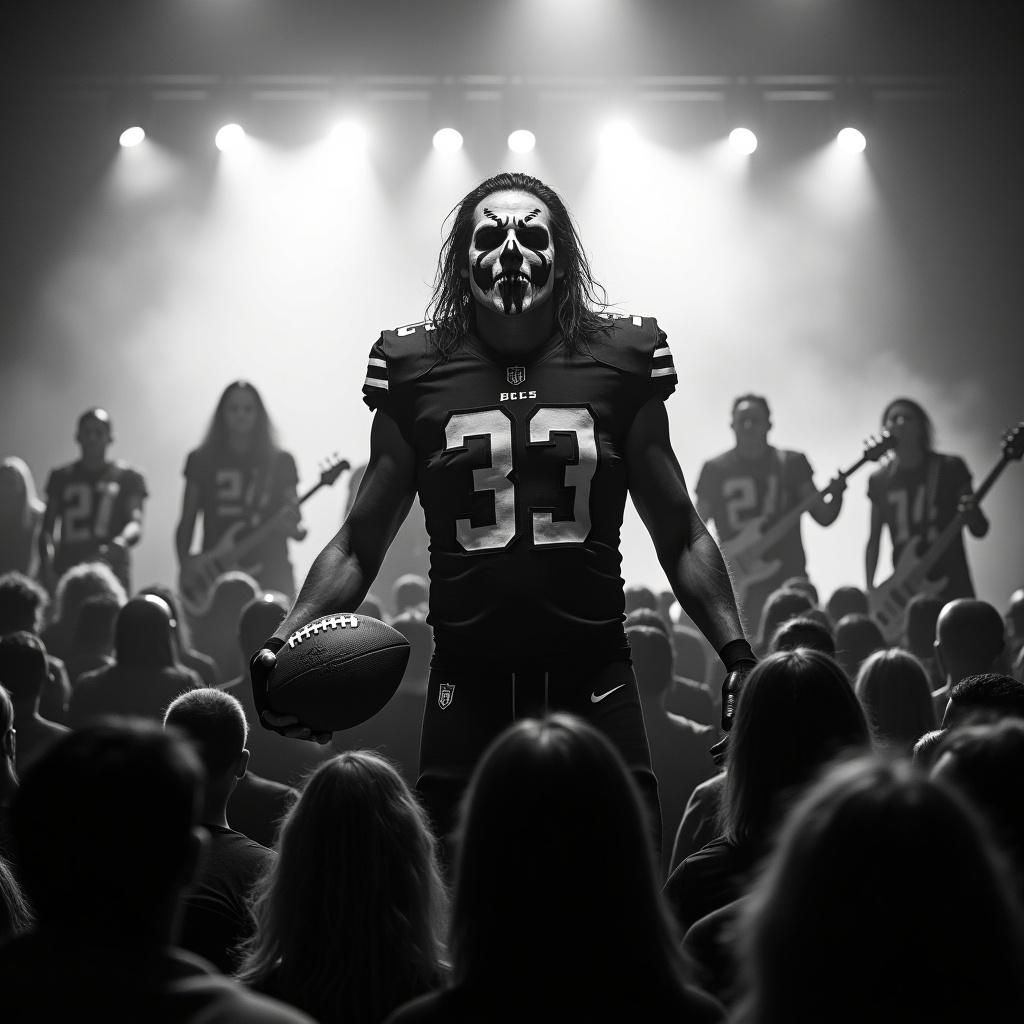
x=132, y=136
x=349, y=135
x=618, y=133
x=743, y=140
x=447, y=140
x=522, y=141
x=229, y=137
x=852, y=140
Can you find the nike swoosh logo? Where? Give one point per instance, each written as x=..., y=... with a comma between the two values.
x=596, y=698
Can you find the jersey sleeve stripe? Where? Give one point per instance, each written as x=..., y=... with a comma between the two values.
x=663, y=351
x=373, y=382
x=667, y=371
x=377, y=362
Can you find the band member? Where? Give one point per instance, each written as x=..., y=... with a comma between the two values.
x=916, y=493
x=521, y=415
x=239, y=477
x=21, y=516
x=93, y=507
x=756, y=483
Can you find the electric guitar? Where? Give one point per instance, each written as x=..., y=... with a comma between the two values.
x=198, y=576
x=744, y=553
x=888, y=601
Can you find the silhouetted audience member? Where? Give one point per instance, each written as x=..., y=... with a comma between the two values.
x=919, y=634
x=858, y=917
x=556, y=914
x=215, y=633
x=23, y=604
x=144, y=678
x=796, y=712
x=21, y=515
x=986, y=764
x=701, y=821
x=105, y=829
x=1015, y=625
x=857, y=637
x=803, y=584
x=691, y=697
x=803, y=632
x=274, y=757
x=8, y=772
x=216, y=917
x=892, y=687
x=986, y=697
x=370, y=605
x=846, y=600
x=679, y=746
x=79, y=583
x=202, y=664
x=926, y=749
x=350, y=917
x=410, y=593
x=15, y=912
x=23, y=673
x=92, y=646
x=395, y=730
x=970, y=639
x=781, y=605
x=639, y=596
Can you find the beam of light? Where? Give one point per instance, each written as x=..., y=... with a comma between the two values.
x=522, y=140
x=349, y=136
x=743, y=140
x=851, y=140
x=229, y=137
x=448, y=140
x=132, y=137
x=617, y=134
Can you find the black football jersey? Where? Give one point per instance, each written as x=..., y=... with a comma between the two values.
x=92, y=507
x=522, y=479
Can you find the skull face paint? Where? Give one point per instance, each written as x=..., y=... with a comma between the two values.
x=512, y=253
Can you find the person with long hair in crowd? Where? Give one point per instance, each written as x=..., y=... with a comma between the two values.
x=556, y=913
x=892, y=687
x=8, y=772
x=885, y=902
x=797, y=711
x=237, y=479
x=367, y=936
x=73, y=589
x=145, y=676
x=21, y=515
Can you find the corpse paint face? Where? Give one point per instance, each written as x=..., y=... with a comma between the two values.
x=512, y=253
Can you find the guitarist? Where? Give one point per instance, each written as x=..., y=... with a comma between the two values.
x=916, y=492
x=240, y=475
x=755, y=480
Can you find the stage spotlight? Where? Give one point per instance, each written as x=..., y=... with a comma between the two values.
x=743, y=140
x=522, y=141
x=350, y=135
x=231, y=136
x=618, y=134
x=447, y=140
x=852, y=140
x=132, y=136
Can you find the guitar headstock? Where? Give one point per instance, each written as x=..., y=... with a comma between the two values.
x=331, y=468
x=1013, y=442
x=877, y=445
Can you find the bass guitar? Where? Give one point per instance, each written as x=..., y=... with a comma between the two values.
x=888, y=601
x=745, y=552
x=198, y=576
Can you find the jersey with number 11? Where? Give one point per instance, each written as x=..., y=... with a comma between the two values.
x=521, y=474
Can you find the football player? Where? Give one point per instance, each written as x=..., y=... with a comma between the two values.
x=93, y=506
x=522, y=417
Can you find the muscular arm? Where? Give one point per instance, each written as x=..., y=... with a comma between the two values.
x=344, y=570
x=131, y=532
x=687, y=552
x=874, y=542
x=45, y=539
x=187, y=523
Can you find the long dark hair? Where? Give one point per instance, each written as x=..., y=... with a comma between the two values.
x=142, y=634
x=264, y=441
x=578, y=296
x=349, y=918
x=927, y=427
x=552, y=818
x=797, y=711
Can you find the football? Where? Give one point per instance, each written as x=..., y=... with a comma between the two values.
x=337, y=671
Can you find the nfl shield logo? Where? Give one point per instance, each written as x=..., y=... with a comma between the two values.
x=445, y=695
x=515, y=375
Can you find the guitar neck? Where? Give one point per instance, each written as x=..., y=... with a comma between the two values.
x=951, y=530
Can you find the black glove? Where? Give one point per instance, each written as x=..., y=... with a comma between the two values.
x=738, y=659
x=260, y=666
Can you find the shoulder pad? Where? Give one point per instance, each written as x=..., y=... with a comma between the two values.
x=628, y=343
x=408, y=351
